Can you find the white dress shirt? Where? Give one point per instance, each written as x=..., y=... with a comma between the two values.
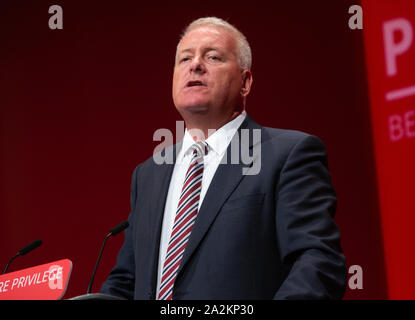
x=218, y=143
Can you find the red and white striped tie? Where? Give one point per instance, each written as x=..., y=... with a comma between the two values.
x=183, y=223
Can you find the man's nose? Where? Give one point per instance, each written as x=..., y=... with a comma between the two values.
x=197, y=65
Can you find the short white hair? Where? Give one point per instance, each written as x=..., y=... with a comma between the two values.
x=244, y=50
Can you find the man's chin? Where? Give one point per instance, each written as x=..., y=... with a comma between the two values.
x=195, y=108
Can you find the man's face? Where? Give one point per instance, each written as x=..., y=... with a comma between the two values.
x=207, y=78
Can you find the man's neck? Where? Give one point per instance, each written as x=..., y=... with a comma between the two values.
x=202, y=129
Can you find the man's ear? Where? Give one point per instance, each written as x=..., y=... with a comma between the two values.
x=246, y=83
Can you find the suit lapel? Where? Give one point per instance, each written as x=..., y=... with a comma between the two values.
x=224, y=182
x=162, y=176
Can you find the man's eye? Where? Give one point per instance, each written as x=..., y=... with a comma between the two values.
x=214, y=58
x=184, y=59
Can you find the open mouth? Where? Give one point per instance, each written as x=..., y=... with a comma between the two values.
x=195, y=83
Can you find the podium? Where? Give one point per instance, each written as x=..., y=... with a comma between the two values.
x=49, y=281
x=44, y=282
x=96, y=297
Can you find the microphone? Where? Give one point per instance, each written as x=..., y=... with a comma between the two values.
x=113, y=232
x=23, y=251
x=116, y=230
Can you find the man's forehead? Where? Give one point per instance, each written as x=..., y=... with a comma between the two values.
x=209, y=36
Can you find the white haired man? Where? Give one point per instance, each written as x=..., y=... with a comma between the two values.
x=200, y=228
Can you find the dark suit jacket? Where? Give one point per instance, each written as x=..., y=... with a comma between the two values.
x=265, y=236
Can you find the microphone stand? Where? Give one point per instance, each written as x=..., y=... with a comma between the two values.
x=97, y=263
x=101, y=296
x=10, y=261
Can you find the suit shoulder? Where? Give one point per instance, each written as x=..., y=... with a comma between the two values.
x=146, y=164
x=284, y=140
x=164, y=156
x=285, y=135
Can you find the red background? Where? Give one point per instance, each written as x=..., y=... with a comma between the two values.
x=79, y=106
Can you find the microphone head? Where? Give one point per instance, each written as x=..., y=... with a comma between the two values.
x=30, y=247
x=121, y=227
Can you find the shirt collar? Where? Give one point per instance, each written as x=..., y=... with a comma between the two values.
x=218, y=141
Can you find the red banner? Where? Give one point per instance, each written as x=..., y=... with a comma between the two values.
x=45, y=282
x=389, y=30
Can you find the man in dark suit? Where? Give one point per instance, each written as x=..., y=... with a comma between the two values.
x=203, y=226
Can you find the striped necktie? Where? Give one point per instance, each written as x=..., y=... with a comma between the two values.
x=185, y=218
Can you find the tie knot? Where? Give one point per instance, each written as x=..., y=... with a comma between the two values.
x=201, y=148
